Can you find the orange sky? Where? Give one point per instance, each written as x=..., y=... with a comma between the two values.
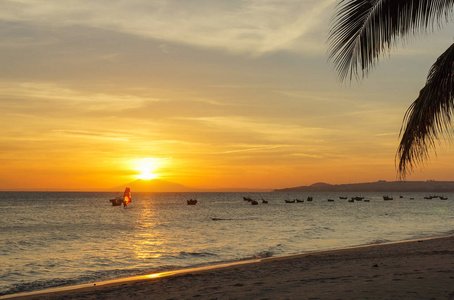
x=220, y=94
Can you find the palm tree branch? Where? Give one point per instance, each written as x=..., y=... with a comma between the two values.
x=363, y=30
x=429, y=115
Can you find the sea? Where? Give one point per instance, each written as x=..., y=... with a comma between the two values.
x=55, y=239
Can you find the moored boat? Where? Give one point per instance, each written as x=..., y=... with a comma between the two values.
x=117, y=201
x=191, y=202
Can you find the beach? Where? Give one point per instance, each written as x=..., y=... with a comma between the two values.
x=418, y=269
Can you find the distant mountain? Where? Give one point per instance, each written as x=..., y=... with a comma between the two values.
x=154, y=185
x=429, y=186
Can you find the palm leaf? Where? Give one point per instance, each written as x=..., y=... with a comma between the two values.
x=429, y=115
x=363, y=30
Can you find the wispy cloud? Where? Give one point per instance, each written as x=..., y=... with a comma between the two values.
x=253, y=27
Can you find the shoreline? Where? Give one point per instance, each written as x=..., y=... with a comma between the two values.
x=434, y=251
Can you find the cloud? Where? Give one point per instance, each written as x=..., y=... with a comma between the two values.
x=253, y=27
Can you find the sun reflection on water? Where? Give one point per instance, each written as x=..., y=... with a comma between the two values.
x=146, y=243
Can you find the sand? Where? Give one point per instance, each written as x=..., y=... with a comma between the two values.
x=422, y=269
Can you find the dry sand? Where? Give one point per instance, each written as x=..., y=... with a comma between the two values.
x=422, y=269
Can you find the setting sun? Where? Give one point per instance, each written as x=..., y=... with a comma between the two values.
x=147, y=168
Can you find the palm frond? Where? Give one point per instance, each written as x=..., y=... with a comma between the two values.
x=429, y=115
x=363, y=30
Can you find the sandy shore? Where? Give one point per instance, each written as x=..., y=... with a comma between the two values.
x=422, y=269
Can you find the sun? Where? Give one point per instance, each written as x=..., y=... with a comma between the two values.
x=147, y=176
x=147, y=168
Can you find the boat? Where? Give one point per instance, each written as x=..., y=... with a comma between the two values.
x=443, y=198
x=117, y=201
x=125, y=200
x=253, y=202
x=386, y=198
x=247, y=199
x=192, y=201
x=351, y=200
x=330, y=200
x=343, y=198
x=309, y=198
x=299, y=200
x=264, y=201
x=289, y=201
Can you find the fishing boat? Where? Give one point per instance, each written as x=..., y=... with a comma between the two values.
x=117, y=201
x=309, y=199
x=289, y=201
x=125, y=200
x=192, y=201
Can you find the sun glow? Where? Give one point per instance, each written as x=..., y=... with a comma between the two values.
x=147, y=168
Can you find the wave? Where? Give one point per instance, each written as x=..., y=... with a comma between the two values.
x=272, y=251
x=378, y=241
x=184, y=254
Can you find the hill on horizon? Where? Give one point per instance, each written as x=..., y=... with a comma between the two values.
x=379, y=186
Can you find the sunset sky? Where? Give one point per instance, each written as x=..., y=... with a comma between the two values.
x=212, y=94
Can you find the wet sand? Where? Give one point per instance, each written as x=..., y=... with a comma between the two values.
x=422, y=269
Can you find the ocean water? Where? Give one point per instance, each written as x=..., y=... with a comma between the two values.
x=51, y=239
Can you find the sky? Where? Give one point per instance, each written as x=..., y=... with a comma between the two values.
x=208, y=94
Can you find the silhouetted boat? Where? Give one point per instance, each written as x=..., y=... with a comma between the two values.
x=253, y=202
x=299, y=200
x=289, y=201
x=191, y=201
x=309, y=199
x=247, y=199
x=443, y=198
x=117, y=201
x=342, y=197
x=386, y=198
x=264, y=201
x=330, y=200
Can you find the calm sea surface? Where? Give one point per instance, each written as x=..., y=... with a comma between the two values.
x=51, y=239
